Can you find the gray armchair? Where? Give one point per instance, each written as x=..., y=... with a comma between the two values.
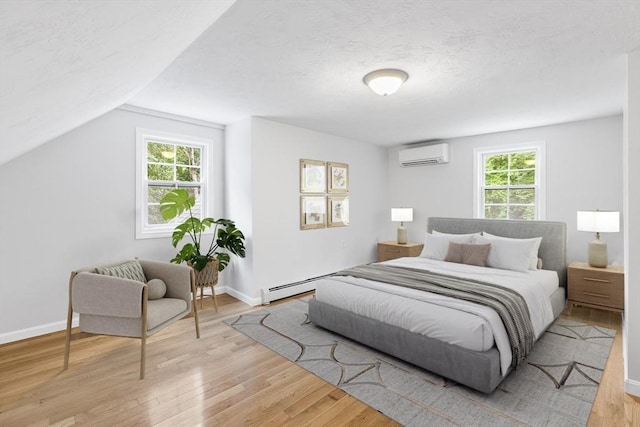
x=111, y=301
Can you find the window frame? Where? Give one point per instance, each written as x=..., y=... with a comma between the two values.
x=540, y=175
x=144, y=230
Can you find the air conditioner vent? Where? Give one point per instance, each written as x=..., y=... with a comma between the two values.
x=425, y=155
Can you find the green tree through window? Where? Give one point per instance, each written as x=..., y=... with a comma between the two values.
x=171, y=166
x=509, y=186
x=164, y=162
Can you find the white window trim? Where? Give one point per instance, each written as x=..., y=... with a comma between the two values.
x=540, y=184
x=144, y=135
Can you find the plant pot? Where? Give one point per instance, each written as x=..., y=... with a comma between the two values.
x=207, y=277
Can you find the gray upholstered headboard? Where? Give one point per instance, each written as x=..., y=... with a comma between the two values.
x=553, y=248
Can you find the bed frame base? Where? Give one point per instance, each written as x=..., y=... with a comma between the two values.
x=478, y=370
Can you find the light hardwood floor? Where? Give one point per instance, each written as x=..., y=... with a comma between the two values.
x=224, y=378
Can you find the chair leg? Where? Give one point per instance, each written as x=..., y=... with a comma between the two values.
x=143, y=355
x=143, y=334
x=67, y=344
x=195, y=307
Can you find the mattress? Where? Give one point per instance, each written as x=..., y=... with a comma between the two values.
x=461, y=323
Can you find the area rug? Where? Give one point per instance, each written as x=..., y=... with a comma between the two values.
x=556, y=387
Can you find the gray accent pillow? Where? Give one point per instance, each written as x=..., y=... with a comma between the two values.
x=127, y=270
x=468, y=253
x=156, y=289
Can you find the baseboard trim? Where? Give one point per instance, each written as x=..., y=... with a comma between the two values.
x=35, y=331
x=242, y=297
x=632, y=387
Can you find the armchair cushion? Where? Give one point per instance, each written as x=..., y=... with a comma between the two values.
x=127, y=270
x=165, y=310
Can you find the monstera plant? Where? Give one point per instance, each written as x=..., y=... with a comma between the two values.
x=225, y=234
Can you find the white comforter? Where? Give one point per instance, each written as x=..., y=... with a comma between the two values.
x=462, y=323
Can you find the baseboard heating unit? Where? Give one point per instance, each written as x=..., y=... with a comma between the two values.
x=288, y=290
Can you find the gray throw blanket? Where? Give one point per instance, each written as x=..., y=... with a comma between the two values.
x=510, y=305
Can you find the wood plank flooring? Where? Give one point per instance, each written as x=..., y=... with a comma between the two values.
x=224, y=378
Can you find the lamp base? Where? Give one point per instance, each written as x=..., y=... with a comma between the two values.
x=598, y=254
x=402, y=235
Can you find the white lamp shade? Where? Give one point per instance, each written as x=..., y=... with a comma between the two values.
x=599, y=221
x=402, y=214
x=385, y=82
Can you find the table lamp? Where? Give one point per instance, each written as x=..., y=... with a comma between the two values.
x=598, y=222
x=402, y=215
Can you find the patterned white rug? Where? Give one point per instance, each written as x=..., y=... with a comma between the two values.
x=556, y=387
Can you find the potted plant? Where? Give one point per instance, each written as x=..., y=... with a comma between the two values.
x=205, y=260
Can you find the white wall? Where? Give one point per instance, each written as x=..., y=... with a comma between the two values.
x=583, y=172
x=631, y=325
x=282, y=253
x=71, y=203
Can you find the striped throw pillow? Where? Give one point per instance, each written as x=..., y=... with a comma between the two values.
x=127, y=270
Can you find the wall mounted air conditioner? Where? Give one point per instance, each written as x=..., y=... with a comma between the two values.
x=425, y=155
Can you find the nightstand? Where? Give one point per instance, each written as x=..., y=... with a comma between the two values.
x=596, y=287
x=392, y=250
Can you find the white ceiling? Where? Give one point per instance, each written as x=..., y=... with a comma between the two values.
x=474, y=66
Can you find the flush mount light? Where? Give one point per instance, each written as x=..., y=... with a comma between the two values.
x=385, y=82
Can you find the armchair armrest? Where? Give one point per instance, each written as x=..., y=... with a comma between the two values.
x=177, y=277
x=102, y=295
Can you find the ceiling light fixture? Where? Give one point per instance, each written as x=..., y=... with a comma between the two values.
x=385, y=82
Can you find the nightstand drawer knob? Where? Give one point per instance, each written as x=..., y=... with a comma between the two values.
x=591, y=279
x=592, y=294
x=395, y=251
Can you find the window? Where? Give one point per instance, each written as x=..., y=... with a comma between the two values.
x=510, y=182
x=165, y=162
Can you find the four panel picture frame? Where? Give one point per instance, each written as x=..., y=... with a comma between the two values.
x=324, y=199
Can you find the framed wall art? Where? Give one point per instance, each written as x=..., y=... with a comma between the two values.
x=338, y=211
x=313, y=212
x=313, y=176
x=337, y=177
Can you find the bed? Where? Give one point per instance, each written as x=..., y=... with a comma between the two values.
x=431, y=331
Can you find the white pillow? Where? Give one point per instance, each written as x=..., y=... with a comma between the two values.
x=436, y=245
x=534, y=246
x=507, y=254
x=458, y=238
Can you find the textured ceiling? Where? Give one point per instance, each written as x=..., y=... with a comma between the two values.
x=63, y=63
x=474, y=66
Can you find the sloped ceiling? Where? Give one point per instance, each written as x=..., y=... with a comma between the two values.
x=63, y=63
x=475, y=66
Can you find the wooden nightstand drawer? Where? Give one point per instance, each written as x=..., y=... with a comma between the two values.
x=393, y=250
x=596, y=287
x=596, y=292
